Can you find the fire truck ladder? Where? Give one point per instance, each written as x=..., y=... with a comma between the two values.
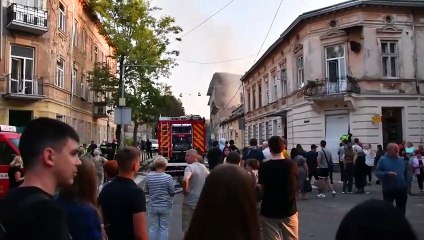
x=164, y=133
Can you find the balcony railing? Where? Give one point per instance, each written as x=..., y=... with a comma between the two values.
x=27, y=19
x=331, y=86
x=24, y=88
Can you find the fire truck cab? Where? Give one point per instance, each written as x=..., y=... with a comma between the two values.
x=9, y=143
x=176, y=135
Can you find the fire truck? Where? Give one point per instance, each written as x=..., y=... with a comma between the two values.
x=9, y=142
x=176, y=135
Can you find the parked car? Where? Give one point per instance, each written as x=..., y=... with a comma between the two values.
x=155, y=144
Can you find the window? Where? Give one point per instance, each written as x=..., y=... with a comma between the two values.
x=74, y=81
x=254, y=98
x=267, y=135
x=283, y=78
x=83, y=90
x=6, y=154
x=255, y=131
x=248, y=101
x=274, y=127
x=60, y=118
x=267, y=93
x=389, y=57
x=91, y=48
x=96, y=54
x=274, y=93
x=335, y=63
x=84, y=40
x=75, y=33
x=61, y=22
x=60, y=81
x=300, y=76
x=21, y=70
x=260, y=95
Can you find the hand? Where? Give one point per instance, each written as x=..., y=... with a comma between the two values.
x=307, y=179
x=391, y=174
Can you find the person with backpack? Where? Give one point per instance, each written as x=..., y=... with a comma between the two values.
x=49, y=150
x=252, y=152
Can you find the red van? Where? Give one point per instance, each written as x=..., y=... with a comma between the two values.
x=9, y=142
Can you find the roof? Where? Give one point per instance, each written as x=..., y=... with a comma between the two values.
x=235, y=114
x=222, y=77
x=330, y=9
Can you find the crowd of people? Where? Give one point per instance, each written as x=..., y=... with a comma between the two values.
x=249, y=194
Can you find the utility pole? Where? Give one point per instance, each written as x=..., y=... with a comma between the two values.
x=122, y=102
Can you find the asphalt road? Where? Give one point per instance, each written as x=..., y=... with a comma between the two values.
x=320, y=218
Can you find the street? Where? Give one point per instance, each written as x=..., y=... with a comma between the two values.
x=320, y=218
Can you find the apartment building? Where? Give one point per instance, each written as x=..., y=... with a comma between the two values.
x=352, y=67
x=222, y=100
x=233, y=127
x=47, y=49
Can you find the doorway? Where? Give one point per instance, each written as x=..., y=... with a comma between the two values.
x=392, y=125
x=19, y=119
x=335, y=126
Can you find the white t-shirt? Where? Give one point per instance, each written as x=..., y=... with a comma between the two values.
x=197, y=173
x=369, y=157
x=267, y=154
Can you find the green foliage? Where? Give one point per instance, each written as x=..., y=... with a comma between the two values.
x=140, y=43
x=102, y=81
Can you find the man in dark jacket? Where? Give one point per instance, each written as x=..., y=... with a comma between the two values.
x=214, y=155
x=253, y=152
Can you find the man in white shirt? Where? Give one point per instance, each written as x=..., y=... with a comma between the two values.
x=266, y=151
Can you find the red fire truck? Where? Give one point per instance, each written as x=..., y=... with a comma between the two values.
x=176, y=135
x=9, y=142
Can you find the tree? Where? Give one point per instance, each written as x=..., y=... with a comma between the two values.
x=140, y=47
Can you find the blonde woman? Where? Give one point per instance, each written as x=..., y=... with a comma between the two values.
x=160, y=187
x=16, y=172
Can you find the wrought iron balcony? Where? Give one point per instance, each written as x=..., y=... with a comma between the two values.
x=26, y=89
x=26, y=19
x=331, y=86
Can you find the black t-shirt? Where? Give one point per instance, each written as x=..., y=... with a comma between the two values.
x=214, y=157
x=234, y=148
x=311, y=158
x=119, y=200
x=12, y=180
x=38, y=219
x=279, y=181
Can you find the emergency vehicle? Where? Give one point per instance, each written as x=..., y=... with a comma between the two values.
x=176, y=135
x=9, y=143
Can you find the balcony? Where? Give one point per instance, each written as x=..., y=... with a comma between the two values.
x=26, y=19
x=24, y=89
x=331, y=87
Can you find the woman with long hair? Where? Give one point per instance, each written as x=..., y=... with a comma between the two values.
x=227, y=207
x=80, y=204
x=16, y=172
x=349, y=169
x=225, y=153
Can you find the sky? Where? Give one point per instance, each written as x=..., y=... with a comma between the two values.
x=236, y=32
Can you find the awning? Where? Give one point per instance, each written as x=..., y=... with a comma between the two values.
x=279, y=113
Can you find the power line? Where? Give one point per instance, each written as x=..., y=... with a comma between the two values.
x=269, y=29
x=214, y=62
x=204, y=21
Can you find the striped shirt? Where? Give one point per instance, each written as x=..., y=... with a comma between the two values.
x=160, y=187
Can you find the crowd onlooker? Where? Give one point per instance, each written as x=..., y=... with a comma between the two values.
x=160, y=188
x=278, y=177
x=226, y=208
x=374, y=220
x=324, y=165
x=393, y=174
x=99, y=161
x=16, y=172
x=194, y=178
x=123, y=203
x=418, y=164
x=49, y=150
x=80, y=204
